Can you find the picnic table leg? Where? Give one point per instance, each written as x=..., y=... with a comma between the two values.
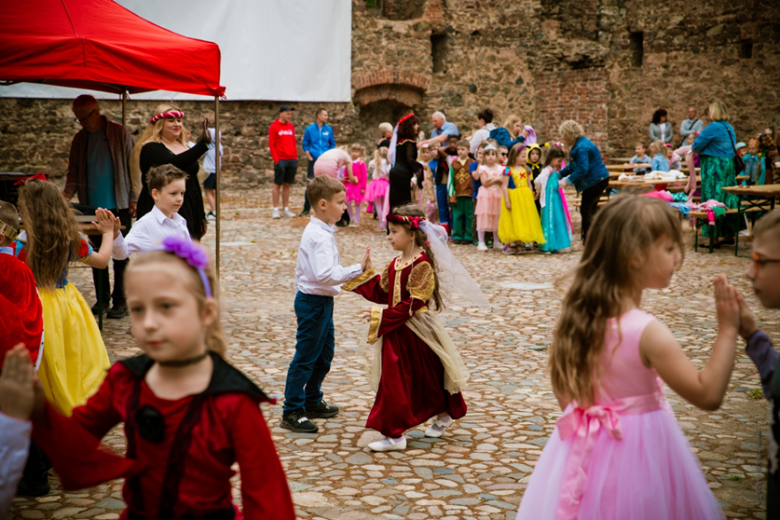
x=713, y=232
x=100, y=301
x=739, y=214
x=695, y=234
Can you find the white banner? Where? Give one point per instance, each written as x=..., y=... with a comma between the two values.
x=272, y=50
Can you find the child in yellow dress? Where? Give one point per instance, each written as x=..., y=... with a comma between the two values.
x=519, y=221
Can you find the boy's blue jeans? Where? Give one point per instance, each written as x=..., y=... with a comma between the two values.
x=314, y=349
x=445, y=217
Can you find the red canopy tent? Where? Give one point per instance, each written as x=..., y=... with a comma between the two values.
x=100, y=45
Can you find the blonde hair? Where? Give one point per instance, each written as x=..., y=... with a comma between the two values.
x=360, y=148
x=570, y=130
x=659, y=148
x=323, y=187
x=379, y=155
x=215, y=341
x=626, y=227
x=717, y=111
x=510, y=122
x=386, y=127
x=52, y=231
x=152, y=133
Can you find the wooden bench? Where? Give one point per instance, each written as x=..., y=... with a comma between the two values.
x=704, y=215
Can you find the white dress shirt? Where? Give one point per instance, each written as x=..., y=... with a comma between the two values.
x=318, y=270
x=14, y=445
x=149, y=232
x=483, y=134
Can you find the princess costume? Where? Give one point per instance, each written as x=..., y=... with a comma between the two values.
x=353, y=190
x=379, y=185
x=556, y=227
x=521, y=224
x=623, y=457
x=489, y=200
x=74, y=360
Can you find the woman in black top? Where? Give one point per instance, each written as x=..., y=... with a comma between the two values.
x=405, y=167
x=161, y=143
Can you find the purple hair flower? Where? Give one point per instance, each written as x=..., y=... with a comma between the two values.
x=191, y=253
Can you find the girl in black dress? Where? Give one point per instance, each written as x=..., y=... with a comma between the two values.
x=161, y=143
x=405, y=165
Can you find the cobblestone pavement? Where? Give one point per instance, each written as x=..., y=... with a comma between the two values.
x=481, y=467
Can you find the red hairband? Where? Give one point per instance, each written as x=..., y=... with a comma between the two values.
x=414, y=222
x=169, y=114
x=38, y=176
x=407, y=116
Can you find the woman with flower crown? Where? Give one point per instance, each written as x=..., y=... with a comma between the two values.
x=417, y=372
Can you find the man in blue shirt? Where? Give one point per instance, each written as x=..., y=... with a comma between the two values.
x=442, y=130
x=317, y=139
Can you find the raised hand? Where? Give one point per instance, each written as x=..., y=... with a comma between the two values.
x=747, y=322
x=17, y=389
x=105, y=221
x=726, y=304
x=366, y=263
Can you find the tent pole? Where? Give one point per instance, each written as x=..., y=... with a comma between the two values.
x=217, y=164
x=124, y=107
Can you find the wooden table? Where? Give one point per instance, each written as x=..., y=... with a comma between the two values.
x=756, y=198
x=644, y=183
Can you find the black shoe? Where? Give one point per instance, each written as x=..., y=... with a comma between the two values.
x=321, y=410
x=37, y=488
x=118, y=311
x=105, y=306
x=298, y=422
x=304, y=214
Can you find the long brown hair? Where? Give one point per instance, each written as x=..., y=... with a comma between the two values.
x=214, y=340
x=420, y=240
x=623, y=229
x=52, y=231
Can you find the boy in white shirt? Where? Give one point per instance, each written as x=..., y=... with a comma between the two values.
x=167, y=185
x=318, y=276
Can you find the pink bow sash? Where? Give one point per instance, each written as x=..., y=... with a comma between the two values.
x=585, y=425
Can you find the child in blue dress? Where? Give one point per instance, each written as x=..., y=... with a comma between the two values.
x=555, y=225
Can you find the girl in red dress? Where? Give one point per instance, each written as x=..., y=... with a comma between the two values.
x=188, y=414
x=417, y=371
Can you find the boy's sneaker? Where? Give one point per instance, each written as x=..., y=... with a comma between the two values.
x=287, y=213
x=298, y=422
x=322, y=410
x=276, y=213
x=211, y=216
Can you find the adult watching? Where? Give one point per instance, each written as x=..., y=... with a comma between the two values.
x=99, y=171
x=716, y=148
x=317, y=139
x=442, y=130
x=692, y=125
x=485, y=124
x=510, y=134
x=660, y=128
x=281, y=141
x=163, y=142
x=403, y=157
x=387, y=135
x=585, y=171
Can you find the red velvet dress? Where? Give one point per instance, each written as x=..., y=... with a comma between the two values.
x=411, y=389
x=179, y=453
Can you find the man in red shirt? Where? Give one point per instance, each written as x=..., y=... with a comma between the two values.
x=281, y=140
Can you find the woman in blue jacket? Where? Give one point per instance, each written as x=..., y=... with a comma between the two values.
x=716, y=146
x=585, y=171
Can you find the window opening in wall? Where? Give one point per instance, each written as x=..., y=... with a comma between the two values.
x=746, y=49
x=637, y=48
x=439, y=52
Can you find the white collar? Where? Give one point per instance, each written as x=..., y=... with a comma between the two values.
x=160, y=217
x=322, y=224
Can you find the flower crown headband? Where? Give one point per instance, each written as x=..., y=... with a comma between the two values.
x=193, y=254
x=414, y=222
x=407, y=116
x=169, y=114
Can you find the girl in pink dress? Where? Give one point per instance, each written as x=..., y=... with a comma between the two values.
x=617, y=451
x=489, y=197
x=379, y=185
x=356, y=189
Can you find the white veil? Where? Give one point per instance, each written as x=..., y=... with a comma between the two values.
x=455, y=283
x=391, y=150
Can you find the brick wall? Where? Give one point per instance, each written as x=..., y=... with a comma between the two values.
x=581, y=95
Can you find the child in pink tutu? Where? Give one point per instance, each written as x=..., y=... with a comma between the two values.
x=489, y=197
x=617, y=451
x=356, y=189
x=379, y=185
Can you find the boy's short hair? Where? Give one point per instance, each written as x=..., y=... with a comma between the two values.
x=768, y=223
x=160, y=176
x=641, y=145
x=453, y=136
x=463, y=144
x=9, y=220
x=502, y=147
x=323, y=187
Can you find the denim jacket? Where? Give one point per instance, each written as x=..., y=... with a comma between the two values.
x=585, y=168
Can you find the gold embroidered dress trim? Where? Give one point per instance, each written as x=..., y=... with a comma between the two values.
x=373, y=327
x=359, y=280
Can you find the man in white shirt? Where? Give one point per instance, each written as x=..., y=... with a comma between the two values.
x=167, y=185
x=318, y=276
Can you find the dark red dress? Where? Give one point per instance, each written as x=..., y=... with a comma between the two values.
x=411, y=389
x=179, y=453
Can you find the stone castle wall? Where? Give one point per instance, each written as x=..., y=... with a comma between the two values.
x=606, y=63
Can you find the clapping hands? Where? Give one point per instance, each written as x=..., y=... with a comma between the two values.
x=365, y=264
x=106, y=222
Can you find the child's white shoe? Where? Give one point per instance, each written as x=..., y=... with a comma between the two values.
x=389, y=444
x=439, y=426
x=482, y=247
